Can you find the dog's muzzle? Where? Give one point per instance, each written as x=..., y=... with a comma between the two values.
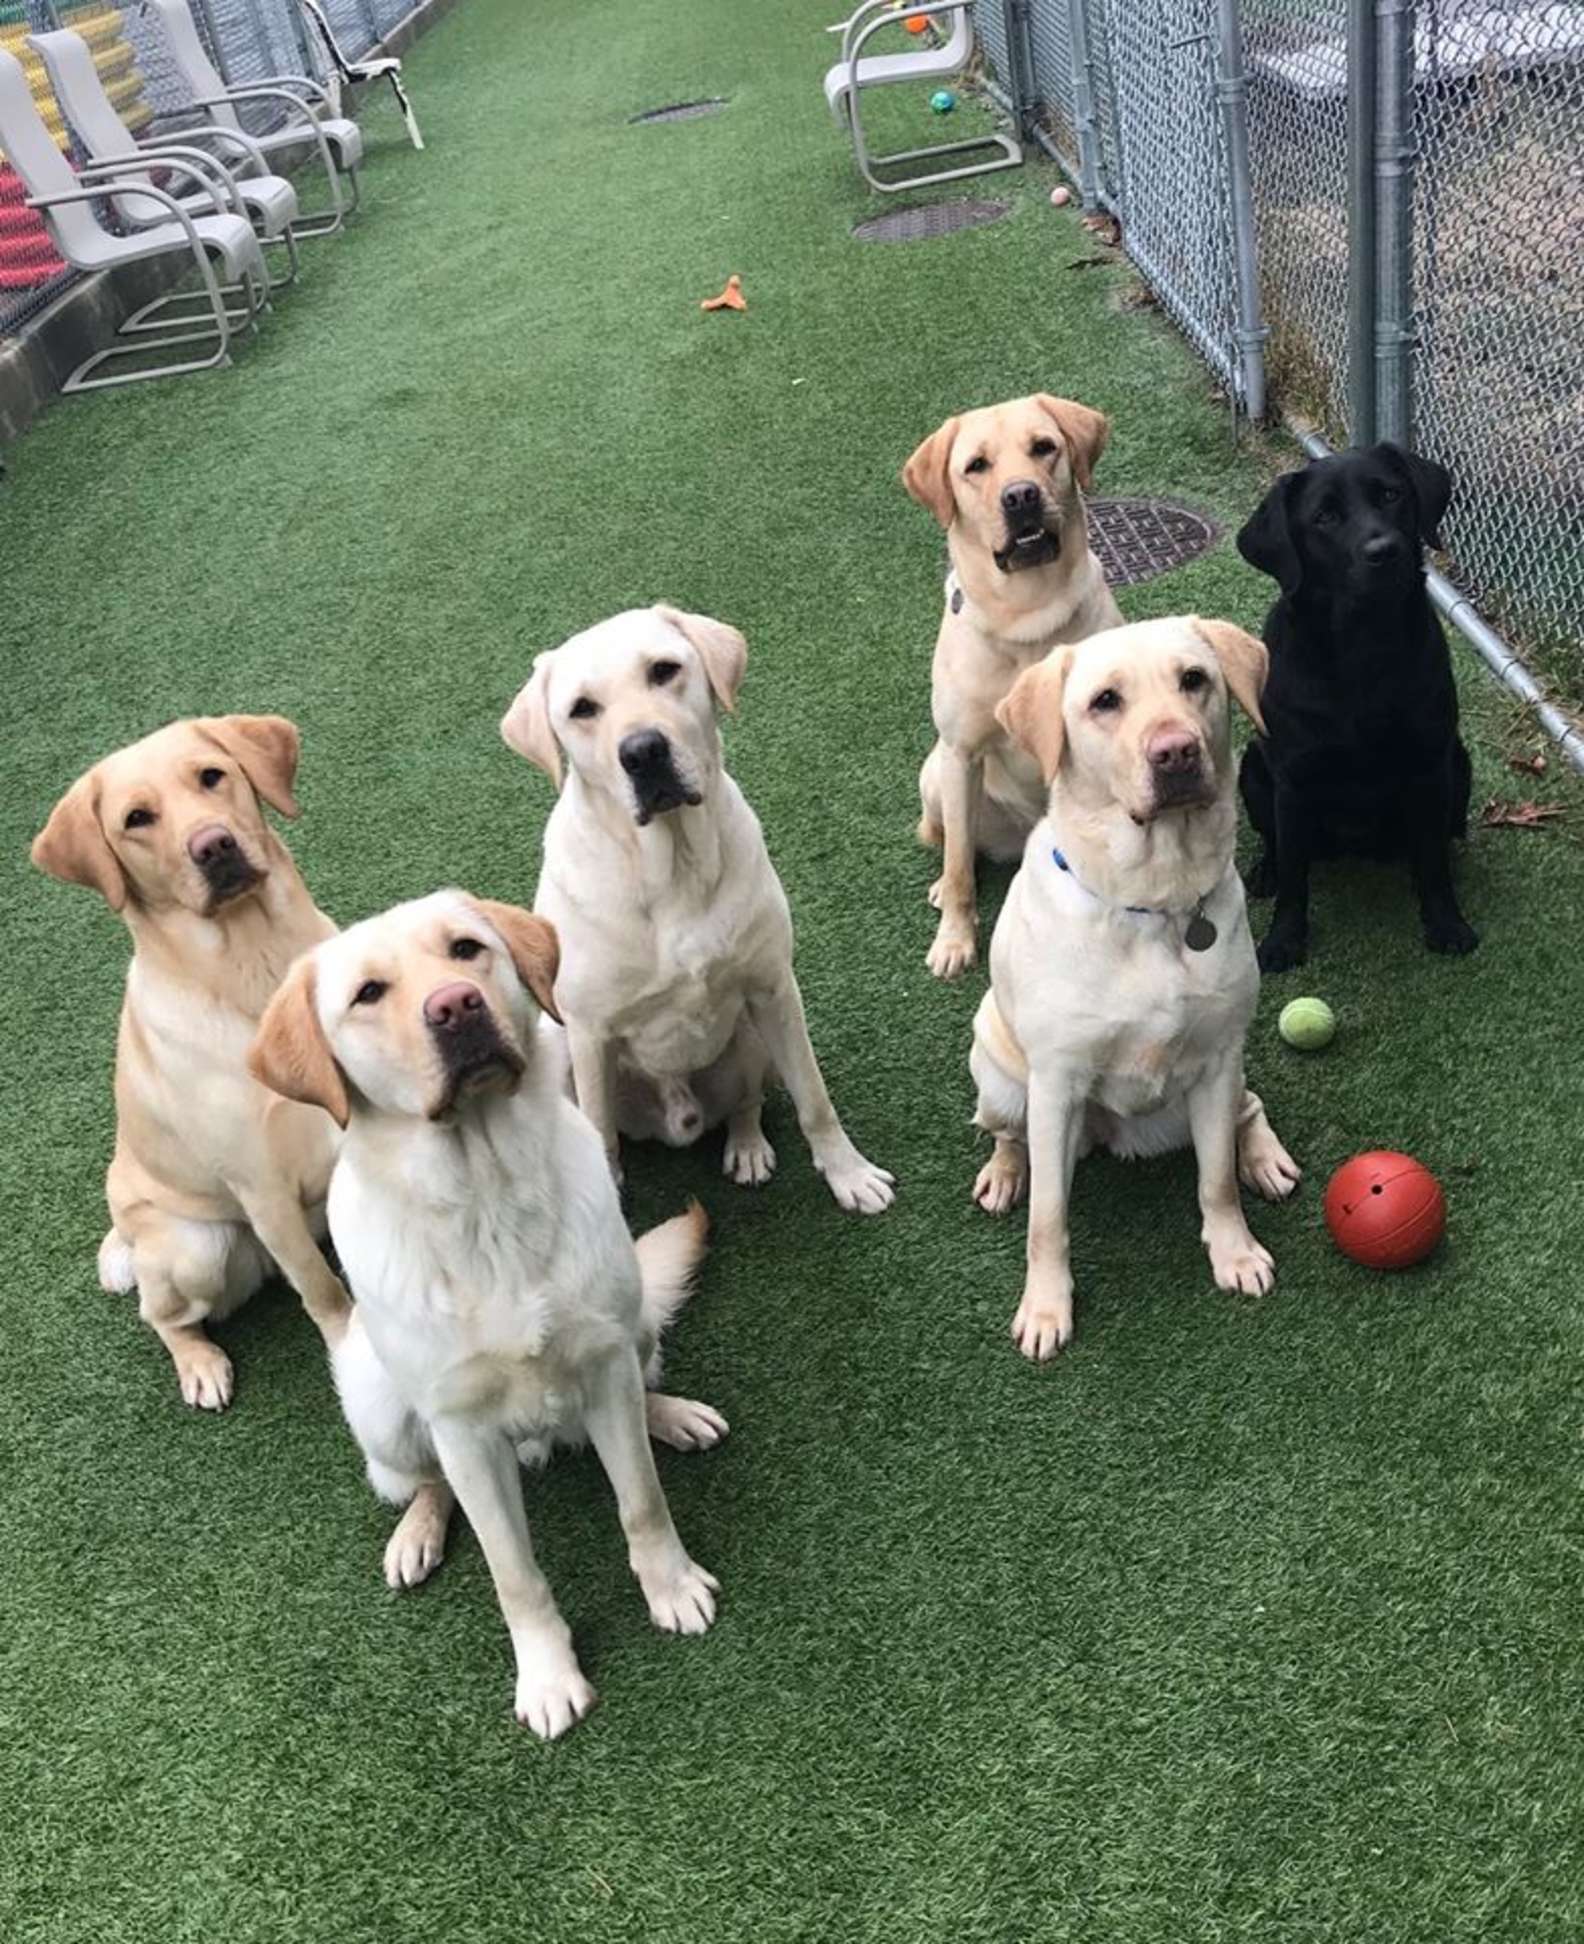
x=226, y=868
x=647, y=757
x=474, y=1057
x=1180, y=777
x=1029, y=541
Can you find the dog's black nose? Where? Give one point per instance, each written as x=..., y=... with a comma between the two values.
x=1020, y=498
x=644, y=749
x=1380, y=547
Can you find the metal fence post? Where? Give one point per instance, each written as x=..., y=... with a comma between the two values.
x=1232, y=95
x=1084, y=104
x=1361, y=109
x=1020, y=53
x=1395, y=335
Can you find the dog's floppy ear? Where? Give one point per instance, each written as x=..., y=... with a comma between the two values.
x=720, y=647
x=525, y=726
x=927, y=474
x=535, y=949
x=72, y=846
x=290, y=1053
x=1431, y=485
x=1083, y=430
x=1031, y=710
x=265, y=749
x=1245, y=662
x=1265, y=538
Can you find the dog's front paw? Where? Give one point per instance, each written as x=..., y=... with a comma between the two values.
x=856, y=1183
x=749, y=1159
x=1043, y=1325
x=417, y=1546
x=1281, y=949
x=1452, y=934
x=1265, y=1166
x=1237, y=1261
x=683, y=1422
x=1002, y=1182
x=205, y=1375
x=552, y=1693
x=952, y=953
x=681, y=1595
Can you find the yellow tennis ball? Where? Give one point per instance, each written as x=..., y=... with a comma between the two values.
x=1307, y=1024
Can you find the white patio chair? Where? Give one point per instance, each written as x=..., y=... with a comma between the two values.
x=64, y=197
x=268, y=201
x=355, y=74
x=855, y=71
x=339, y=142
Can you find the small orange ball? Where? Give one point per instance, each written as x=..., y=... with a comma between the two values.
x=916, y=23
x=1385, y=1210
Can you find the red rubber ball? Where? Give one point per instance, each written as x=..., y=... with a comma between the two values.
x=1385, y=1210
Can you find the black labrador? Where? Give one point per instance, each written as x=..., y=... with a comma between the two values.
x=1361, y=755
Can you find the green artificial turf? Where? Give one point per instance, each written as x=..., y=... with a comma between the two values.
x=1242, y=1620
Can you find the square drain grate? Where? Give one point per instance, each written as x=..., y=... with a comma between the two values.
x=928, y=219
x=682, y=110
x=1136, y=539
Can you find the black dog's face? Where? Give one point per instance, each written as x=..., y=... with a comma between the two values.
x=1350, y=527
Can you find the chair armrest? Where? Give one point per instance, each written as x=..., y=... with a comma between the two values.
x=98, y=194
x=234, y=95
x=215, y=132
x=293, y=81
x=854, y=44
x=181, y=161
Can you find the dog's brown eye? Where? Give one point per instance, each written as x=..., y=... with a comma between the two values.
x=978, y=465
x=465, y=948
x=1389, y=496
x=211, y=779
x=584, y=709
x=1042, y=448
x=1106, y=701
x=137, y=820
x=369, y=993
x=661, y=672
x=1193, y=680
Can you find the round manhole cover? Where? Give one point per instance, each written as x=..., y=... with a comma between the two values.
x=682, y=110
x=928, y=219
x=1136, y=539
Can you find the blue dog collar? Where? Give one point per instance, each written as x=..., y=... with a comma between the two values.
x=1200, y=933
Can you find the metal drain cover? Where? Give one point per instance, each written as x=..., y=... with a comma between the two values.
x=928, y=219
x=682, y=110
x=1136, y=539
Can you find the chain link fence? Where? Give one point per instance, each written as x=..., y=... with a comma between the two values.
x=249, y=40
x=1373, y=211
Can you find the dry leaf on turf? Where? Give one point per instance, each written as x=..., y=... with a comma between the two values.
x=1519, y=816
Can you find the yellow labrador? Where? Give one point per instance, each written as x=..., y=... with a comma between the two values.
x=1007, y=484
x=676, y=940
x=213, y=1179
x=1123, y=975
x=501, y=1303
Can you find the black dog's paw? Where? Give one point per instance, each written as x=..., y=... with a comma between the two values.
x=1280, y=951
x=1454, y=935
x=1261, y=879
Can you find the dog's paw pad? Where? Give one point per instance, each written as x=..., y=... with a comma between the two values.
x=684, y=1423
x=750, y=1163
x=1040, y=1329
x=206, y=1378
x=554, y=1697
x=681, y=1597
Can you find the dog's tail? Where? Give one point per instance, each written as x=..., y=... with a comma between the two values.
x=117, y=1265
x=668, y=1259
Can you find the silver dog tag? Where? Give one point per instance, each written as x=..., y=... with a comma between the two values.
x=1201, y=934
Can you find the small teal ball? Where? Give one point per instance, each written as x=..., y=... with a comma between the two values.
x=943, y=101
x=1307, y=1024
